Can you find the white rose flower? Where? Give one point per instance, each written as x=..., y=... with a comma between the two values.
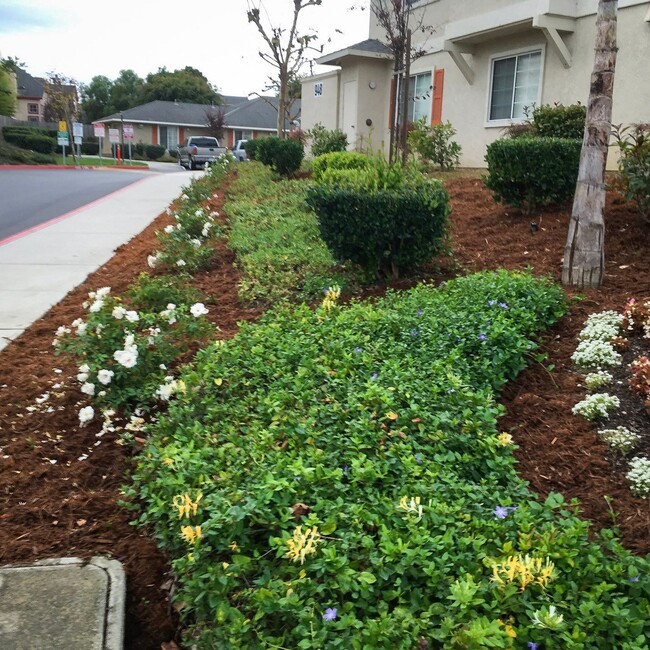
x=169, y=229
x=132, y=316
x=118, y=312
x=86, y=414
x=105, y=376
x=103, y=292
x=165, y=391
x=196, y=242
x=180, y=263
x=127, y=358
x=198, y=309
x=81, y=328
x=88, y=389
x=84, y=368
x=206, y=229
x=82, y=377
x=96, y=306
x=60, y=331
x=152, y=261
x=171, y=305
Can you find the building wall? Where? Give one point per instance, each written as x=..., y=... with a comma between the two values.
x=22, y=109
x=320, y=101
x=466, y=105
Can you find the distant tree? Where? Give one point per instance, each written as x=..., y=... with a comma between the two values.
x=61, y=101
x=395, y=18
x=287, y=51
x=584, y=253
x=7, y=91
x=186, y=85
x=96, y=98
x=12, y=63
x=126, y=91
x=215, y=118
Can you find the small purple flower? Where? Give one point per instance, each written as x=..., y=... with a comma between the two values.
x=482, y=337
x=373, y=376
x=418, y=459
x=501, y=512
x=634, y=579
x=503, y=305
x=420, y=312
x=415, y=332
x=346, y=469
x=358, y=350
x=532, y=645
x=330, y=614
x=492, y=303
x=297, y=478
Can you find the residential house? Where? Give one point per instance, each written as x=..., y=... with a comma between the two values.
x=31, y=96
x=485, y=63
x=170, y=123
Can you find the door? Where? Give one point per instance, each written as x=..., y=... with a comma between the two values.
x=350, y=113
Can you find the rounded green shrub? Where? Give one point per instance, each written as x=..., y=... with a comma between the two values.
x=338, y=160
x=154, y=151
x=250, y=147
x=284, y=156
x=326, y=141
x=529, y=173
x=559, y=121
x=382, y=218
x=31, y=141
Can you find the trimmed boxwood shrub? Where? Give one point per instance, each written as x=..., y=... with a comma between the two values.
x=325, y=141
x=382, y=218
x=154, y=151
x=33, y=142
x=529, y=173
x=283, y=156
x=250, y=147
x=559, y=121
x=90, y=147
x=338, y=160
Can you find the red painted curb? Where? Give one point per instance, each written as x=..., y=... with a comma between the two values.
x=51, y=222
x=138, y=168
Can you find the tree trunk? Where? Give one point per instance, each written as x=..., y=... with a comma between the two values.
x=405, y=105
x=282, y=103
x=584, y=257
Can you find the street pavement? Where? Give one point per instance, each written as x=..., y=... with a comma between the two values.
x=40, y=266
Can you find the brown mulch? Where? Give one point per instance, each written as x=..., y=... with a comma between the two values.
x=54, y=504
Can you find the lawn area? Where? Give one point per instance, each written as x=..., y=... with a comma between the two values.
x=94, y=161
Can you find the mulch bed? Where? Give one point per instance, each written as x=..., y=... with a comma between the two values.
x=54, y=504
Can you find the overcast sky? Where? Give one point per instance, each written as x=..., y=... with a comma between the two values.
x=85, y=38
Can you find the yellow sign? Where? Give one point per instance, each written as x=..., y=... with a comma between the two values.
x=63, y=125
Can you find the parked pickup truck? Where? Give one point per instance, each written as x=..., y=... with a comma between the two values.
x=239, y=152
x=198, y=150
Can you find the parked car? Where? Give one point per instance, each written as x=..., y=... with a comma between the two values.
x=239, y=152
x=198, y=150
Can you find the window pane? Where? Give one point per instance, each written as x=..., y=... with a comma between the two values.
x=503, y=76
x=420, y=97
x=527, y=82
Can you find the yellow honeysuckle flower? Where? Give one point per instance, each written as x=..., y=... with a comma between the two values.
x=505, y=439
x=412, y=506
x=184, y=504
x=168, y=461
x=191, y=533
x=391, y=415
x=233, y=547
x=303, y=544
x=524, y=570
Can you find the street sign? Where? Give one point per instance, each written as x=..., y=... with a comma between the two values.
x=114, y=136
x=77, y=129
x=99, y=129
x=77, y=139
x=62, y=138
x=128, y=131
x=63, y=126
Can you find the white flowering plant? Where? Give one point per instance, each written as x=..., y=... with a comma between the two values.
x=596, y=406
x=621, y=438
x=598, y=379
x=125, y=352
x=639, y=476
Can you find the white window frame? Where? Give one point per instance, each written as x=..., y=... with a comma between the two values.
x=507, y=55
x=411, y=104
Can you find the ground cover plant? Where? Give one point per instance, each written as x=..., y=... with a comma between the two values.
x=276, y=239
x=60, y=482
x=336, y=478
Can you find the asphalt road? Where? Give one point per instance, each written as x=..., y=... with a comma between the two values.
x=29, y=197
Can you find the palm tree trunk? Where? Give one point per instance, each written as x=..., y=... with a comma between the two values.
x=584, y=256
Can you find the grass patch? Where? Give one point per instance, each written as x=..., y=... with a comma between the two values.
x=93, y=161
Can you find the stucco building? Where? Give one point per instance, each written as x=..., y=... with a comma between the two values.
x=484, y=63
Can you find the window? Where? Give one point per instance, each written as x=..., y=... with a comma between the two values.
x=243, y=134
x=32, y=109
x=515, y=85
x=420, y=88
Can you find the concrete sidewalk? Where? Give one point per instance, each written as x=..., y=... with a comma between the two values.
x=39, y=268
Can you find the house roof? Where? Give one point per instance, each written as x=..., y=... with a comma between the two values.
x=259, y=113
x=370, y=48
x=28, y=86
